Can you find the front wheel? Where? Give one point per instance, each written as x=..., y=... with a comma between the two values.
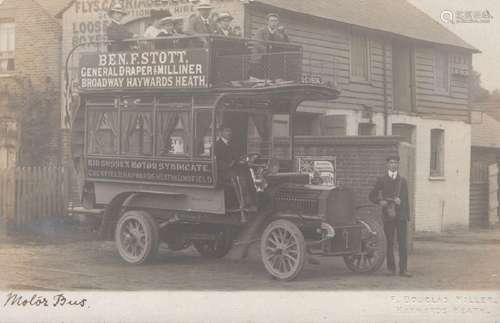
x=137, y=237
x=373, y=248
x=283, y=250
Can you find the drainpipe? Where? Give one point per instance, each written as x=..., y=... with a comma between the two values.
x=386, y=112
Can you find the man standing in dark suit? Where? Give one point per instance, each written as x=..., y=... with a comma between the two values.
x=273, y=31
x=116, y=31
x=391, y=193
x=269, y=66
x=233, y=176
x=225, y=155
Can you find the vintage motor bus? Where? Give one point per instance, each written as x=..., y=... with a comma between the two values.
x=144, y=125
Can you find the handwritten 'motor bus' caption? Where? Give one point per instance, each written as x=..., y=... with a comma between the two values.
x=143, y=70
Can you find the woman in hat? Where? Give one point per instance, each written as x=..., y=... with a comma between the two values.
x=116, y=31
x=156, y=27
x=167, y=29
x=224, y=25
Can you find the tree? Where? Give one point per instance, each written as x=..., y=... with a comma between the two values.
x=478, y=93
x=34, y=109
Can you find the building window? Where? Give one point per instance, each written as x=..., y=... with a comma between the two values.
x=366, y=129
x=333, y=125
x=7, y=45
x=437, y=153
x=441, y=72
x=360, y=58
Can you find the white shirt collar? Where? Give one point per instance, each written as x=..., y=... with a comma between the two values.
x=393, y=175
x=272, y=31
x=205, y=20
x=224, y=140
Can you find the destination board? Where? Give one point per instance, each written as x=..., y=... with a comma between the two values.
x=173, y=172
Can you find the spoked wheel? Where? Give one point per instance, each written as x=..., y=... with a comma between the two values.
x=283, y=250
x=137, y=237
x=217, y=248
x=373, y=248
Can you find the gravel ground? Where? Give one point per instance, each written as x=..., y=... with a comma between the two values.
x=460, y=261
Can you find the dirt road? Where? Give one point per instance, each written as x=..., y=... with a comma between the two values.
x=459, y=262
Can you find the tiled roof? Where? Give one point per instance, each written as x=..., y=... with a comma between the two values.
x=485, y=131
x=490, y=107
x=393, y=16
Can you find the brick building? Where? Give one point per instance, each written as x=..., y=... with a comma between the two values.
x=399, y=72
x=30, y=60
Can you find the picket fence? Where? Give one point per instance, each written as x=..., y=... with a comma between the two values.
x=30, y=193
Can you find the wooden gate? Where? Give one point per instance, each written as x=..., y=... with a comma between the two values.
x=493, y=194
x=478, y=216
x=29, y=193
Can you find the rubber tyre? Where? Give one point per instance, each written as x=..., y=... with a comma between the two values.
x=373, y=248
x=283, y=250
x=137, y=237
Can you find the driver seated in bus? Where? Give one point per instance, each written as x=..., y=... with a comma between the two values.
x=231, y=173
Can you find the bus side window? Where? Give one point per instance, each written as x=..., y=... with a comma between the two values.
x=103, y=132
x=173, y=133
x=137, y=133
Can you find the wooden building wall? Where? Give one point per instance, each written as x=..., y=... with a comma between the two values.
x=328, y=43
x=325, y=41
x=453, y=104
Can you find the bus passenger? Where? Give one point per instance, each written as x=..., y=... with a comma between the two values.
x=167, y=31
x=273, y=31
x=155, y=29
x=271, y=65
x=179, y=26
x=116, y=31
x=201, y=23
x=224, y=27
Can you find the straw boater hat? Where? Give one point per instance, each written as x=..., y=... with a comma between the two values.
x=225, y=15
x=171, y=20
x=204, y=5
x=117, y=7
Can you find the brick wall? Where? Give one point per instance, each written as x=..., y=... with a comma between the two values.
x=37, y=54
x=360, y=160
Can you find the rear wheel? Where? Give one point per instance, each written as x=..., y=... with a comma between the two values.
x=217, y=248
x=373, y=248
x=283, y=249
x=137, y=237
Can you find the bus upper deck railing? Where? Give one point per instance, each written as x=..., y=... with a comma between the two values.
x=201, y=61
x=190, y=63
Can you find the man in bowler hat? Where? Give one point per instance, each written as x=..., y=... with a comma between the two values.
x=391, y=193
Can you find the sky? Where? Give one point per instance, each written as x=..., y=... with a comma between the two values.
x=483, y=36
